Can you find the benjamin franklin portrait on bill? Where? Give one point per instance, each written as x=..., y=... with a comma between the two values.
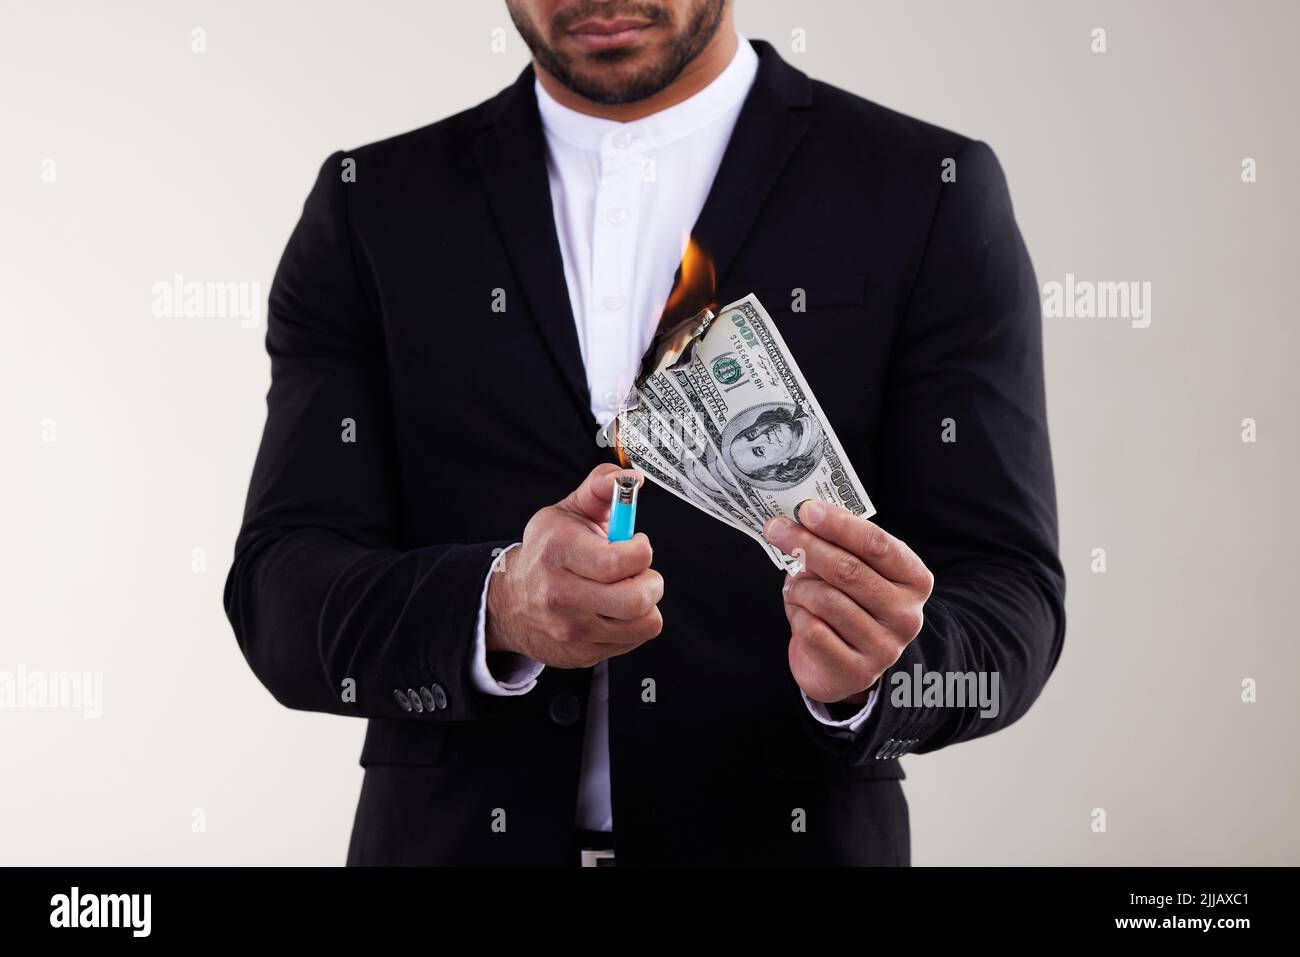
x=773, y=446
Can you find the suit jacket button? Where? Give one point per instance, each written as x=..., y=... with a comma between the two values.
x=402, y=700
x=414, y=697
x=427, y=697
x=439, y=698
x=565, y=709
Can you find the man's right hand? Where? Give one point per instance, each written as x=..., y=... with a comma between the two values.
x=568, y=597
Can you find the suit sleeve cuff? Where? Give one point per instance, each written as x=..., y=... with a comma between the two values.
x=823, y=713
x=513, y=674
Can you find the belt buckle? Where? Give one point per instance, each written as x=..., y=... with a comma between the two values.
x=592, y=858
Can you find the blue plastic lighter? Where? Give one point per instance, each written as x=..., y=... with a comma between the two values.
x=622, y=508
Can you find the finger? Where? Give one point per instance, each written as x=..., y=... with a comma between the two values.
x=625, y=635
x=889, y=556
x=625, y=600
x=592, y=557
x=825, y=667
x=591, y=499
x=845, y=617
x=836, y=566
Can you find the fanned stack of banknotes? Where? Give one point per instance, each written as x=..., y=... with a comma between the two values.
x=722, y=418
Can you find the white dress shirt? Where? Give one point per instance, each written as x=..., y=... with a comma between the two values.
x=626, y=197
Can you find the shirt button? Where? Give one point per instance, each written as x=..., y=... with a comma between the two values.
x=613, y=303
x=565, y=709
x=402, y=700
x=622, y=140
x=439, y=697
x=617, y=215
x=426, y=696
x=413, y=696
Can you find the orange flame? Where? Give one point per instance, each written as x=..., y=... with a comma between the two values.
x=692, y=293
x=615, y=429
x=695, y=285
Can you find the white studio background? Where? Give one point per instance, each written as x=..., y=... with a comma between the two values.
x=129, y=158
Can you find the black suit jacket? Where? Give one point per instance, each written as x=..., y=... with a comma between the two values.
x=360, y=564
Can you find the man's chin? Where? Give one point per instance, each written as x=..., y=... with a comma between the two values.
x=615, y=76
x=611, y=94
x=619, y=75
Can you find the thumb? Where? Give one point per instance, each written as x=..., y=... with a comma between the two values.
x=591, y=499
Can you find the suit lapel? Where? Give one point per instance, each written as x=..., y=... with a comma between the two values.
x=511, y=155
x=770, y=126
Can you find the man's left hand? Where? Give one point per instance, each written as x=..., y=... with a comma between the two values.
x=857, y=605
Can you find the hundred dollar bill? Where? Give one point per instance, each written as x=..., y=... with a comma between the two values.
x=705, y=459
x=744, y=387
x=643, y=438
x=662, y=468
x=673, y=451
x=689, y=439
x=722, y=417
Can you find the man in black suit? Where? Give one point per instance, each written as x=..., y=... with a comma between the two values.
x=423, y=546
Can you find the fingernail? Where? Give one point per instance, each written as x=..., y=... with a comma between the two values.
x=777, y=529
x=789, y=583
x=811, y=512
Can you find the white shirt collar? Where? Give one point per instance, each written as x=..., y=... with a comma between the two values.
x=721, y=97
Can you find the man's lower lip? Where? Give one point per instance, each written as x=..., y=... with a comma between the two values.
x=606, y=41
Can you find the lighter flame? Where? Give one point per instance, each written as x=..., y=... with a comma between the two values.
x=692, y=294
x=615, y=430
x=696, y=285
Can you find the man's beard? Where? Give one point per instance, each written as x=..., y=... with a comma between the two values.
x=684, y=47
